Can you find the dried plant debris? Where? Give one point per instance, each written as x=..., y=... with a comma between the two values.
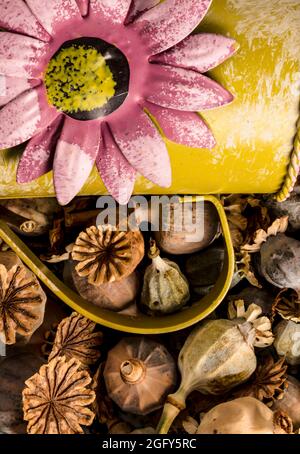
x=56, y=400
x=244, y=268
x=75, y=338
x=234, y=206
x=287, y=305
x=22, y=302
x=268, y=382
x=106, y=254
x=278, y=226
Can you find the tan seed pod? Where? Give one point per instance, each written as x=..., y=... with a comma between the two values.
x=106, y=254
x=75, y=338
x=56, y=399
x=22, y=299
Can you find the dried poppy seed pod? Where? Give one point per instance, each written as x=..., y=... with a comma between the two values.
x=22, y=300
x=280, y=258
x=115, y=296
x=217, y=356
x=56, y=399
x=139, y=373
x=287, y=341
x=245, y=415
x=290, y=401
x=187, y=239
x=106, y=254
x=165, y=289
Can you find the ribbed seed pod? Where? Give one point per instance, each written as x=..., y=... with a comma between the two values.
x=139, y=373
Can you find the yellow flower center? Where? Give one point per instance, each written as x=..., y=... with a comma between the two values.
x=78, y=79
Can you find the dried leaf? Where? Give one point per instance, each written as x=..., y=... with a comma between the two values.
x=56, y=399
x=268, y=382
x=106, y=254
x=278, y=226
x=287, y=305
x=244, y=268
x=75, y=338
x=22, y=303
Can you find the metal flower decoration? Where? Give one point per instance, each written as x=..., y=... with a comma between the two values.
x=83, y=79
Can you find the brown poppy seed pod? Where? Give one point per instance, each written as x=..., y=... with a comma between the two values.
x=139, y=373
x=22, y=300
x=115, y=296
x=186, y=239
x=245, y=415
x=56, y=400
x=106, y=254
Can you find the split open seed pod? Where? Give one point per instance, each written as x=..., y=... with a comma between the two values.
x=139, y=373
x=245, y=415
x=187, y=228
x=165, y=288
x=287, y=305
x=22, y=300
x=217, y=356
x=106, y=254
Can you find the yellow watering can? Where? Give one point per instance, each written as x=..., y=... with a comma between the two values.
x=257, y=151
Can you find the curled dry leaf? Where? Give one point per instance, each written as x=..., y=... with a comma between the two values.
x=244, y=268
x=234, y=206
x=278, y=226
x=287, y=305
x=22, y=300
x=56, y=399
x=75, y=338
x=268, y=382
x=106, y=254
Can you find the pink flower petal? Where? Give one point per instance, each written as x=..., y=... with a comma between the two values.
x=114, y=10
x=170, y=22
x=199, y=52
x=51, y=13
x=37, y=158
x=24, y=117
x=83, y=6
x=117, y=174
x=140, y=6
x=11, y=87
x=142, y=145
x=186, y=128
x=182, y=89
x=16, y=16
x=19, y=55
x=75, y=155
